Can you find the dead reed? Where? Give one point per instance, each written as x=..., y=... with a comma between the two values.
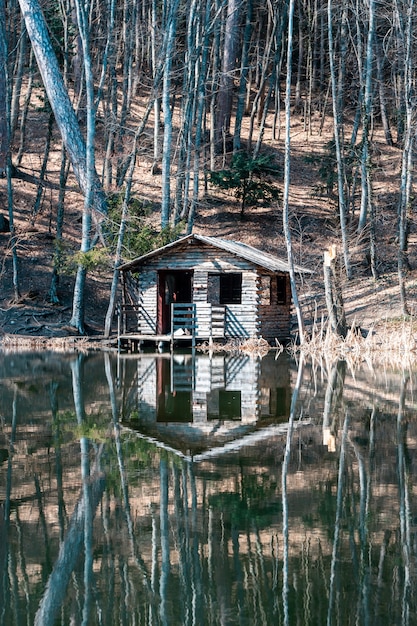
x=26, y=343
x=387, y=343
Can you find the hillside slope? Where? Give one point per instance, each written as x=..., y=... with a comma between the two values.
x=314, y=224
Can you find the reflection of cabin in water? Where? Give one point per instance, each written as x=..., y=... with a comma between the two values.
x=202, y=288
x=197, y=402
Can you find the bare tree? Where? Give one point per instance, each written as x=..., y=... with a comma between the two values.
x=287, y=156
x=338, y=138
x=59, y=99
x=229, y=52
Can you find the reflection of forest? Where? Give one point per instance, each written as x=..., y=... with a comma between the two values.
x=155, y=539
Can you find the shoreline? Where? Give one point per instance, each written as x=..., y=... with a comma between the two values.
x=385, y=343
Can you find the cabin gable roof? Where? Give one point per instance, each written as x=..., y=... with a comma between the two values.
x=259, y=258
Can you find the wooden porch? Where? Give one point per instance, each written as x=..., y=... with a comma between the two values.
x=186, y=326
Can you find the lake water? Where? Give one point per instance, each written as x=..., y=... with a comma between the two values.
x=205, y=490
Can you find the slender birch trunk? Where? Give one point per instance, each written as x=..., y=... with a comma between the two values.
x=171, y=27
x=287, y=157
x=58, y=97
x=338, y=138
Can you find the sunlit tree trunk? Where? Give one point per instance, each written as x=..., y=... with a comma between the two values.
x=78, y=303
x=58, y=97
x=244, y=71
x=40, y=190
x=63, y=176
x=407, y=158
x=18, y=79
x=287, y=161
x=25, y=109
x=157, y=102
x=214, y=82
x=5, y=154
x=338, y=138
x=382, y=92
x=225, y=94
x=171, y=27
x=4, y=131
x=366, y=195
x=119, y=245
x=201, y=93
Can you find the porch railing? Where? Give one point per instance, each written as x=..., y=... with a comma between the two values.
x=183, y=321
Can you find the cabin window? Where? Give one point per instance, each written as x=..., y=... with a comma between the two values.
x=224, y=405
x=230, y=289
x=281, y=290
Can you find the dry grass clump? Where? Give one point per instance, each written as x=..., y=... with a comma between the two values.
x=255, y=346
x=388, y=344
x=22, y=343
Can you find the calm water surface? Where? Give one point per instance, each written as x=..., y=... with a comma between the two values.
x=224, y=489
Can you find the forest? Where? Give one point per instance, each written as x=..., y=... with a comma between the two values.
x=204, y=92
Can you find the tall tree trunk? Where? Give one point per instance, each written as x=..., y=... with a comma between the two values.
x=58, y=97
x=366, y=195
x=119, y=247
x=40, y=189
x=25, y=108
x=287, y=162
x=171, y=27
x=382, y=93
x=201, y=90
x=407, y=159
x=225, y=94
x=78, y=304
x=63, y=175
x=5, y=155
x=338, y=138
x=244, y=71
x=157, y=102
x=17, y=87
x=4, y=131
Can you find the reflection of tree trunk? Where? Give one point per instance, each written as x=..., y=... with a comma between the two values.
x=153, y=617
x=363, y=611
x=5, y=510
x=58, y=459
x=56, y=587
x=180, y=503
x=42, y=523
x=196, y=565
x=165, y=562
x=404, y=512
x=339, y=507
x=123, y=482
x=285, y=464
x=21, y=562
x=332, y=403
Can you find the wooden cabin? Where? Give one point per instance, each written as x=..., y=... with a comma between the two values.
x=205, y=288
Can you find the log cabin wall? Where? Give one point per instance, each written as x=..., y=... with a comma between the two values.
x=148, y=300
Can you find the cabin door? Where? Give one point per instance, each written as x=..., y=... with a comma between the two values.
x=173, y=286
